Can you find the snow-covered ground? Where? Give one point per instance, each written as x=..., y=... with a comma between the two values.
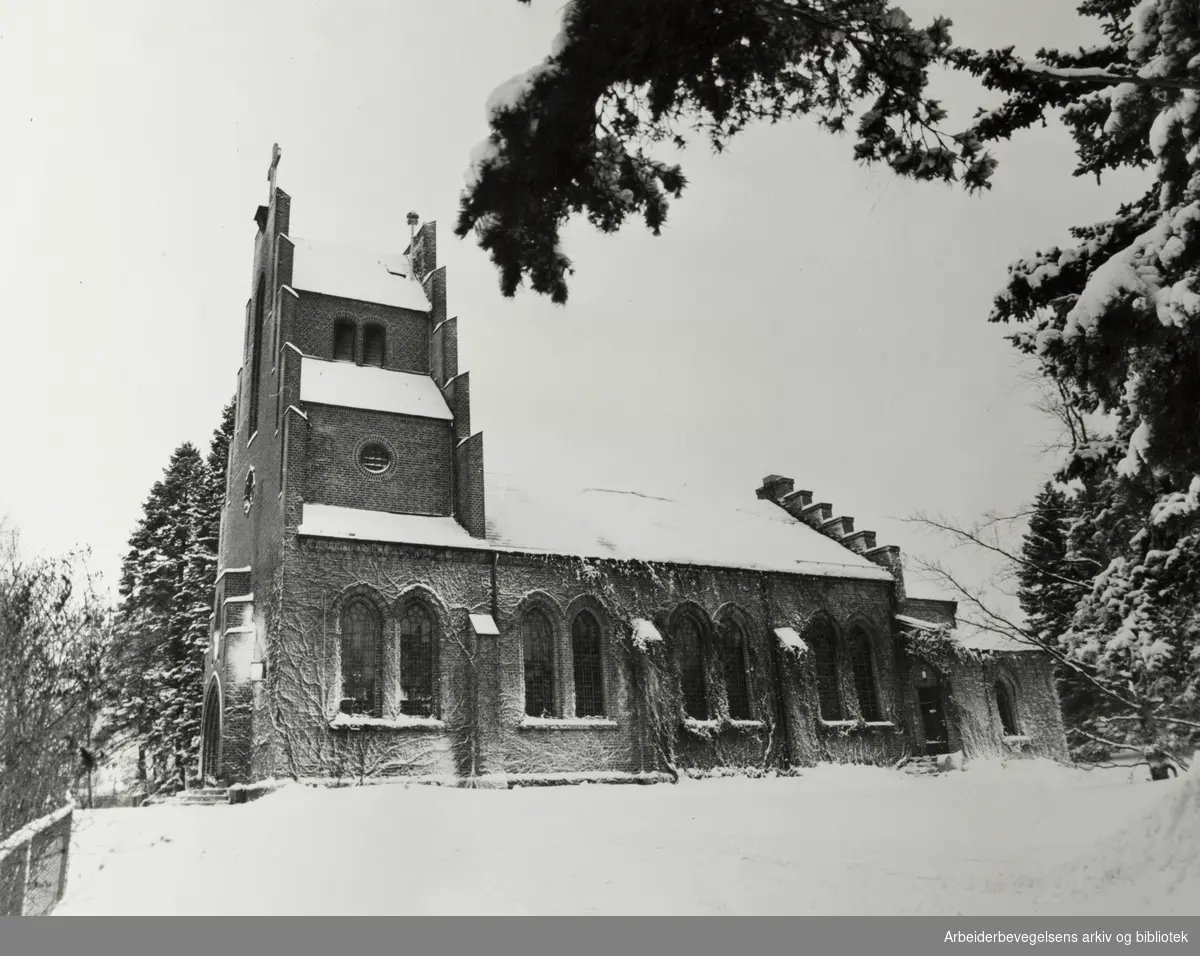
x=1029, y=837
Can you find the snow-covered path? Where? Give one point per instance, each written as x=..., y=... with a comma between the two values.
x=1027, y=838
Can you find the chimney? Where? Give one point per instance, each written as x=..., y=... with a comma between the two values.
x=795, y=502
x=837, y=527
x=775, y=488
x=889, y=556
x=860, y=541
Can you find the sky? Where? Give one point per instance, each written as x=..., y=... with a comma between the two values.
x=800, y=314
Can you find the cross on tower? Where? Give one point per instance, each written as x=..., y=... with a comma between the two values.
x=275, y=154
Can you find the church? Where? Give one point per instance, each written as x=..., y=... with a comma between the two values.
x=386, y=607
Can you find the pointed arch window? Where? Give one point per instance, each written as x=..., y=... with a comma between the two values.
x=256, y=353
x=416, y=633
x=360, y=658
x=537, y=647
x=1004, y=704
x=829, y=695
x=343, y=341
x=373, y=346
x=864, y=675
x=588, y=666
x=737, y=684
x=693, y=682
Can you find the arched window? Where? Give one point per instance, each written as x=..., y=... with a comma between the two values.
x=537, y=646
x=689, y=647
x=1004, y=704
x=585, y=654
x=343, y=341
x=373, y=350
x=825, y=659
x=416, y=662
x=736, y=685
x=256, y=353
x=864, y=675
x=360, y=655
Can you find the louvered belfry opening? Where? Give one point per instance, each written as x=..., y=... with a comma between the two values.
x=373, y=346
x=343, y=342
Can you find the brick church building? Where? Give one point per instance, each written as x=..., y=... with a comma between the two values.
x=385, y=606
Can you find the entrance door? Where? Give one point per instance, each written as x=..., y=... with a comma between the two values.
x=933, y=719
x=211, y=743
x=931, y=703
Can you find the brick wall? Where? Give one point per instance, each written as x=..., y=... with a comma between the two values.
x=406, y=342
x=418, y=481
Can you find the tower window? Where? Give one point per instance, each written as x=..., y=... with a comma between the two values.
x=375, y=458
x=248, y=492
x=373, y=346
x=256, y=354
x=343, y=342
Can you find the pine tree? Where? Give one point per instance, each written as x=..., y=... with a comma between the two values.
x=166, y=589
x=1113, y=320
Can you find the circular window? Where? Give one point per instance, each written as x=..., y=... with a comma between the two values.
x=375, y=458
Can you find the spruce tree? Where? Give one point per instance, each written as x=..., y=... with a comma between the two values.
x=166, y=589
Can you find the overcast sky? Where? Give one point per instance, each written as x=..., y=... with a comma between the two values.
x=800, y=314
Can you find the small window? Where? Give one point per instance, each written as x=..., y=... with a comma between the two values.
x=373, y=350
x=343, y=342
x=248, y=491
x=375, y=458
x=1008, y=718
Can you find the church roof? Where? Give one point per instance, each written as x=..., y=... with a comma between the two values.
x=618, y=525
x=352, y=274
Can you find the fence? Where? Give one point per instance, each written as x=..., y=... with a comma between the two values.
x=33, y=865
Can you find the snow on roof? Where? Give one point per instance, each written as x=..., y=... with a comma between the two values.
x=972, y=638
x=484, y=625
x=791, y=640
x=645, y=633
x=596, y=523
x=918, y=623
x=602, y=523
x=331, y=521
x=924, y=591
x=987, y=641
x=353, y=274
x=379, y=389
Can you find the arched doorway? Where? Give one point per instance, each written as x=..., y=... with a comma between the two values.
x=931, y=703
x=210, y=751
